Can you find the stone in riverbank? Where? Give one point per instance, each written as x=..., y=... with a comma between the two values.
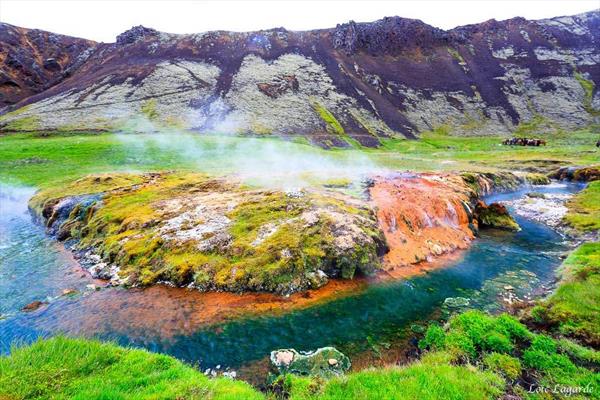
x=325, y=362
x=495, y=215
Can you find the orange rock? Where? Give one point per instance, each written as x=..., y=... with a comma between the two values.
x=423, y=216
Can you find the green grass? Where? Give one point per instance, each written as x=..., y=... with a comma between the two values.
x=43, y=161
x=62, y=368
x=505, y=346
x=584, y=209
x=431, y=378
x=574, y=309
x=333, y=125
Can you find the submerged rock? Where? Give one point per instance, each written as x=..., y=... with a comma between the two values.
x=324, y=362
x=495, y=215
x=34, y=305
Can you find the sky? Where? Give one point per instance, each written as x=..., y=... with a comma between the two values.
x=103, y=20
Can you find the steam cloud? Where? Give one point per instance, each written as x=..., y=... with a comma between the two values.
x=262, y=161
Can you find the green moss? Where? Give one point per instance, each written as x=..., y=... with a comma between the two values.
x=427, y=379
x=456, y=55
x=573, y=308
x=265, y=243
x=333, y=125
x=148, y=108
x=584, y=209
x=588, y=87
x=23, y=124
x=61, y=368
x=537, y=179
x=507, y=366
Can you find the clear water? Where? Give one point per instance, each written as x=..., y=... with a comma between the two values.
x=32, y=266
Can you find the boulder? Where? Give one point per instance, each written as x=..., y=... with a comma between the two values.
x=495, y=215
x=324, y=362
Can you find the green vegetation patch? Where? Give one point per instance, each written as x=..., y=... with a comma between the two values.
x=504, y=346
x=333, y=125
x=584, y=209
x=188, y=228
x=574, y=308
x=62, y=368
x=588, y=87
x=431, y=378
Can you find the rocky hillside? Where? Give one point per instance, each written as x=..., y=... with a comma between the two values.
x=362, y=81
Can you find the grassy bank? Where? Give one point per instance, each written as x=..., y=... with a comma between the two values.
x=45, y=160
x=475, y=356
x=574, y=309
x=584, y=209
x=63, y=368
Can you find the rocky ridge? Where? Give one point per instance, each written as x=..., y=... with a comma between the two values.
x=361, y=81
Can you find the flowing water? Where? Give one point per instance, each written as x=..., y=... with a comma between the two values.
x=34, y=267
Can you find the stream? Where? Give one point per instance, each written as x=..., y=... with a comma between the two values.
x=35, y=267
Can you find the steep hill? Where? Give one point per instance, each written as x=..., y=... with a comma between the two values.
x=392, y=77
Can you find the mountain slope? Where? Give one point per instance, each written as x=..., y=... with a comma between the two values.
x=34, y=60
x=392, y=77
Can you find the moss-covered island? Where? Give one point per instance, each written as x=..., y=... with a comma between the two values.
x=188, y=229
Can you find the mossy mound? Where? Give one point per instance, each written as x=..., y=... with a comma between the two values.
x=526, y=360
x=580, y=174
x=192, y=230
x=537, y=179
x=61, y=368
x=573, y=309
x=324, y=362
x=495, y=215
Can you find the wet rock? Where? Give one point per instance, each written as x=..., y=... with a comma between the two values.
x=495, y=215
x=536, y=195
x=577, y=173
x=34, y=305
x=456, y=302
x=69, y=292
x=324, y=362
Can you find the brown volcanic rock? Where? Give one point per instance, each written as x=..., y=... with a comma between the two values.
x=33, y=60
x=387, y=78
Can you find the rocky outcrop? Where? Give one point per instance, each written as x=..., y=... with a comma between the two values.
x=362, y=81
x=325, y=362
x=33, y=60
x=580, y=174
x=496, y=216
